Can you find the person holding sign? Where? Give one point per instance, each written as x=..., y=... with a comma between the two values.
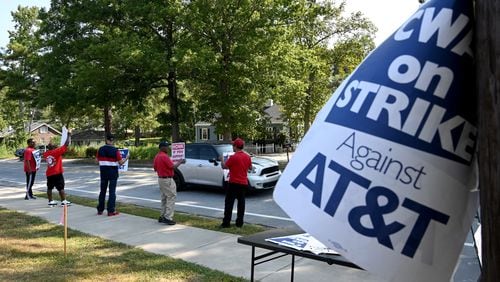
x=109, y=159
x=164, y=168
x=31, y=165
x=238, y=165
x=55, y=170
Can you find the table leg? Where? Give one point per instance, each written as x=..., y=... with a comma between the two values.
x=253, y=263
x=293, y=267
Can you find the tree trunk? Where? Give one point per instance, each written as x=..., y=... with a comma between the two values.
x=308, y=106
x=173, y=98
x=137, y=135
x=108, y=117
x=174, y=108
x=488, y=78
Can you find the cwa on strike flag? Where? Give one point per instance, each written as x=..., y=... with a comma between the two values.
x=386, y=174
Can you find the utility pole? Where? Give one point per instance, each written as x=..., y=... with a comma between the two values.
x=487, y=58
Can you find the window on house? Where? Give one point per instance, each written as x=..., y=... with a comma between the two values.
x=204, y=133
x=220, y=137
x=44, y=129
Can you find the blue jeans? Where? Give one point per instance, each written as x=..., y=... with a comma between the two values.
x=105, y=182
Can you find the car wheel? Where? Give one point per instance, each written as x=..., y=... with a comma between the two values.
x=179, y=181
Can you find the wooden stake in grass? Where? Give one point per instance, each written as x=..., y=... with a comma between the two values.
x=65, y=227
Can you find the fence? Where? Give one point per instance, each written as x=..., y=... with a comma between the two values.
x=259, y=149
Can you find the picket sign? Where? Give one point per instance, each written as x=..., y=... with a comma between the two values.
x=386, y=174
x=178, y=151
x=64, y=135
x=124, y=153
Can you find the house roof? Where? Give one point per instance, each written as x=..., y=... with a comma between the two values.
x=202, y=123
x=88, y=134
x=34, y=126
x=37, y=125
x=274, y=112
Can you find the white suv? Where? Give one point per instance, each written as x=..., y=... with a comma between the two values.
x=203, y=167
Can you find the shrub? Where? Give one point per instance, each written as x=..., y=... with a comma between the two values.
x=143, y=153
x=90, y=152
x=6, y=151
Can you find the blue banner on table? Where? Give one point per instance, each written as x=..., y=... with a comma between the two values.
x=386, y=174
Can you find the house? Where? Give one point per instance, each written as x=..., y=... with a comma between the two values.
x=6, y=133
x=205, y=133
x=276, y=127
x=41, y=132
x=88, y=137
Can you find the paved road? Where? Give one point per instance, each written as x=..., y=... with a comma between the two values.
x=139, y=186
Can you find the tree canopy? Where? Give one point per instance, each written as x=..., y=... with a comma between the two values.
x=169, y=64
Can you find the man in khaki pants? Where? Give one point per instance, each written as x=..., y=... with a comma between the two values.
x=164, y=167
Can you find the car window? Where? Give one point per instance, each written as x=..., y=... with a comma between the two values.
x=192, y=152
x=221, y=149
x=207, y=153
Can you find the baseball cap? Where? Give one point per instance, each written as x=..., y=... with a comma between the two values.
x=110, y=137
x=163, y=144
x=239, y=143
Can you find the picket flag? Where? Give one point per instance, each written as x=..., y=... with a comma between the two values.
x=385, y=175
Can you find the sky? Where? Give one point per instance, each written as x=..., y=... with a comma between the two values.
x=387, y=15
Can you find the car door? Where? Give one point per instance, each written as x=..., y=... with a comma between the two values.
x=189, y=169
x=209, y=172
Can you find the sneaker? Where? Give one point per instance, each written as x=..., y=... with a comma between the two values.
x=52, y=203
x=161, y=219
x=113, y=213
x=169, y=221
x=26, y=197
x=99, y=213
x=65, y=202
x=32, y=197
x=224, y=225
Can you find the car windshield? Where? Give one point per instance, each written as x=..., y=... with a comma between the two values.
x=223, y=148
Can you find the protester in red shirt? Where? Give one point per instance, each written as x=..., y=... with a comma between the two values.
x=238, y=165
x=164, y=167
x=55, y=171
x=31, y=165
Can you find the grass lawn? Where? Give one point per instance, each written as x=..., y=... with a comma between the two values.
x=31, y=249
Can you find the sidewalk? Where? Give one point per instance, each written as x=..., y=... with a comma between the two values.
x=215, y=250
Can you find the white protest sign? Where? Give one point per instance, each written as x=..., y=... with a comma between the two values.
x=37, y=156
x=178, y=151
x=225, y=171
x=64, y=135
x=385, y=174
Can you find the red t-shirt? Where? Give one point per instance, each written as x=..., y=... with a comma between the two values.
x=28, y=157
x=238, y=165
x=163, y=165
x=54, y=160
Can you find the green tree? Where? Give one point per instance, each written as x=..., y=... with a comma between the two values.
x=231, y=41
x=159, y=25
x=18, y=77
x=322, y=45
x=91, y=62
